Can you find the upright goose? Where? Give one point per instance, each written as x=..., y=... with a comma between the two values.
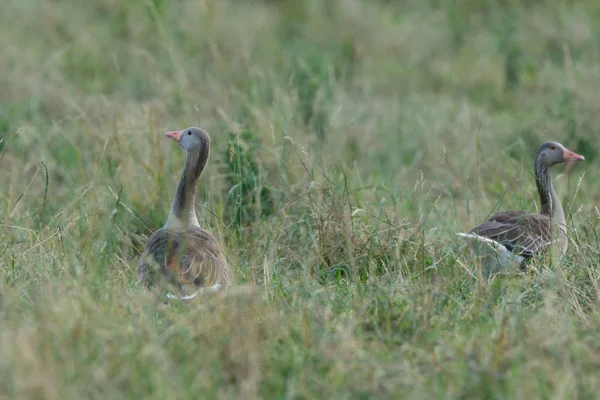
x=516, y=235
x=182, y=253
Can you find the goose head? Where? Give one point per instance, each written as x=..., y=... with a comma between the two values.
x=190, y=139
x=552, y=153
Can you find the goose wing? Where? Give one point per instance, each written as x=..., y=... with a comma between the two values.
x=520, y=232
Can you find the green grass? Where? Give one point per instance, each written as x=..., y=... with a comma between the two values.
x=351, y=141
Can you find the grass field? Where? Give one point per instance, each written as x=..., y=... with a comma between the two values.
x=351, y=140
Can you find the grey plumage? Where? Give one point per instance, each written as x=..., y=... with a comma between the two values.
x=518, y=235
x=182, y=257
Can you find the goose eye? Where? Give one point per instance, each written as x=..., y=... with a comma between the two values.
x=553, y=147
x=189, y=132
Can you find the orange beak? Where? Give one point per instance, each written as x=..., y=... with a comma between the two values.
x=569, y=155
x=174, y=135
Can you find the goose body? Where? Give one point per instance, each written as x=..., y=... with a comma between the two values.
x=513, y=237
x=182, y=254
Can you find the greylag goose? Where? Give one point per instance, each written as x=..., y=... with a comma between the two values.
x=516, y=236
x=182, y=253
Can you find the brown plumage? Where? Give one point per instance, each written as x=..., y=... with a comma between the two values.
x=182, y=255
x=517, y=235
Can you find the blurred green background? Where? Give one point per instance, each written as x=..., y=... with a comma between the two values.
x=351, y=140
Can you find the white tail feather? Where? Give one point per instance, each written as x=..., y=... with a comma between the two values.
x=496, y=245
x=212, y=288
x=498, y=256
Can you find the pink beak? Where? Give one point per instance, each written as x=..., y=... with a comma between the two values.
x=569, y=155
x=174, y=135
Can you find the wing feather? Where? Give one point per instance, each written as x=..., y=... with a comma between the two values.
x=520, y=232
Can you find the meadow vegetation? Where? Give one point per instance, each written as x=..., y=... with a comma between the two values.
x=351, y=140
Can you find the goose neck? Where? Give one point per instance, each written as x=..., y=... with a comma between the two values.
x=551, y=205
x=182, y=208
x=549, y=200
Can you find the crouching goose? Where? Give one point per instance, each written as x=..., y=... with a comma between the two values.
x=182, y=253
x=516, y=236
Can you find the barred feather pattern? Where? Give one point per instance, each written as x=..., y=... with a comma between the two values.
x=521, y=233
x=513, y=237
x=186, y=260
